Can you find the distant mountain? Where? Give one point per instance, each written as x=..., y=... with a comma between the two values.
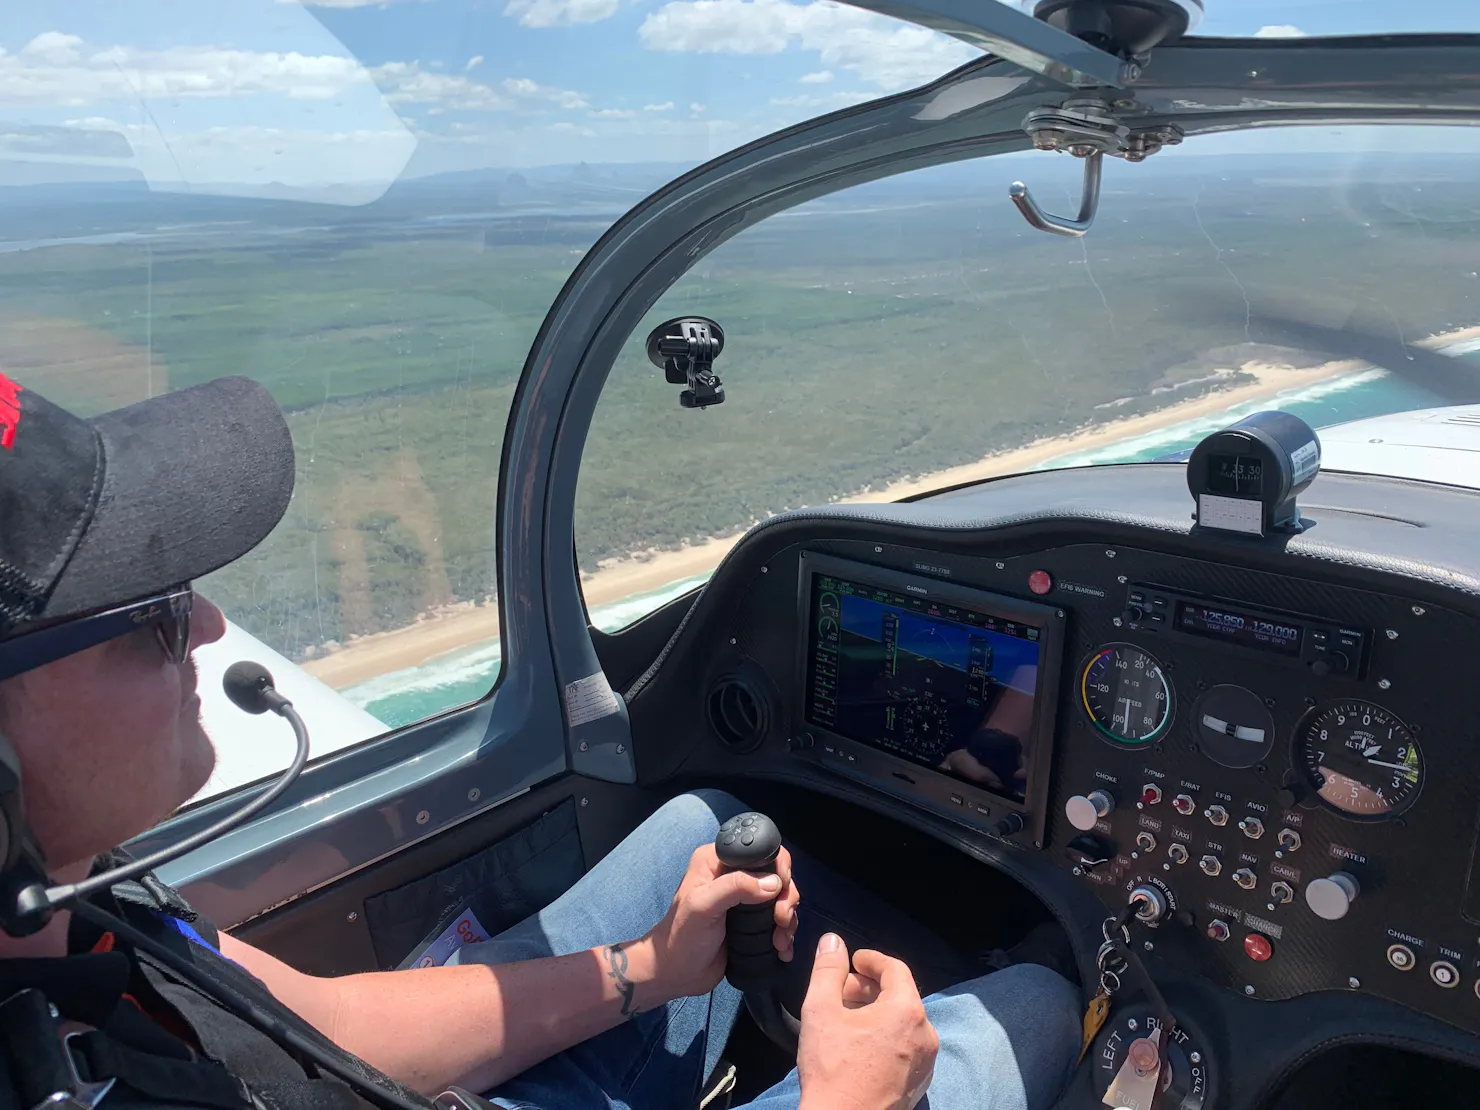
x=570, y=181
x=18, y=174
x=97, y=201
x=35, y=209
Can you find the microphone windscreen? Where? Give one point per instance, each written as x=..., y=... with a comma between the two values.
x=246, y=683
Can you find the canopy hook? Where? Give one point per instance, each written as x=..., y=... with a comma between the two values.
x=1089, y=204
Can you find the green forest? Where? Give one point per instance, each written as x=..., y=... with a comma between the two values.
x=888, y=331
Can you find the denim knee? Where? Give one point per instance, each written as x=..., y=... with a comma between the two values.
x=693, y=818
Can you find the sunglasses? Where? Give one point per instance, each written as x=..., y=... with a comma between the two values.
x=167, y=613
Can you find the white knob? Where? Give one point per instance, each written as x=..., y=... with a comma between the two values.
x=1331, y=898
x=1083, y=811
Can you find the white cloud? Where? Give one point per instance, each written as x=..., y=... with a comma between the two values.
x=1279, y=31
x=820, y=78
x=340, y=140
x=526, y=89
x=696, y=108
x=567, y=128
x=61, y=70
x=613, y=113
x=666, y=106
x=408, y=83
x=560, y=13
x=53, y=47
x=57, y=70
x=882, y=51
x=473, y=63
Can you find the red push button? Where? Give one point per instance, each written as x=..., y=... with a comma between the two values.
x=1040, y=582
x=1257, y=948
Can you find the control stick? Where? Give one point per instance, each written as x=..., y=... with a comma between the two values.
x=751, y=842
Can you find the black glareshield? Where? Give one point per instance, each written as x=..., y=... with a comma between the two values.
x=26, y=902
x=750, y=842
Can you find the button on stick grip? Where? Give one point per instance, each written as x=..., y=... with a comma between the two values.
x=750, y=842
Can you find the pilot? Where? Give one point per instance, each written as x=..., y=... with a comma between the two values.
x=610, y=997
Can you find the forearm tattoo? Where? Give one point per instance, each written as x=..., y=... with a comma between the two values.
x=616, y=970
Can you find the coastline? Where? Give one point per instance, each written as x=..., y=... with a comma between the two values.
x=466, y=624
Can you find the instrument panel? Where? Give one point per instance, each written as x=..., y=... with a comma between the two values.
x=1284, y=772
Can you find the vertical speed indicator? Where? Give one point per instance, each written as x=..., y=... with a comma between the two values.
x=1126, y=694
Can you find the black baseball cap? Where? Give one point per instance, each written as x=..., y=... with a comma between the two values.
x=98, y=513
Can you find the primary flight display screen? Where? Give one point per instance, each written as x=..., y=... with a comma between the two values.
x=944, y=686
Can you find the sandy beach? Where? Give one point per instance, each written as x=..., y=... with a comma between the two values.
x=461, y=626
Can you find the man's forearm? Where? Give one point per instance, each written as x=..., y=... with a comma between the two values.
x=476, y=1026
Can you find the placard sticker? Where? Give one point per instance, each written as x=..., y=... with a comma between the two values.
x=590, y=699
x=1230, y=514
x=1305, y=460
x=464, y=929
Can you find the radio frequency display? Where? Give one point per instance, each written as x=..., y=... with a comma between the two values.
x=1234, y=627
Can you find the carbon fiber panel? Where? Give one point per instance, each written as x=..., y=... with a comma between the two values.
x=1413, y=870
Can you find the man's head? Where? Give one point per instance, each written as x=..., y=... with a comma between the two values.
x=103, y=525
x=110, y=739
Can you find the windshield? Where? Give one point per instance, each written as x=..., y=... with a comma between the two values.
x=368, y=207
x=915, y=333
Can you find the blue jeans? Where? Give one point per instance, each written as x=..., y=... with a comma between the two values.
x=1008, y=1041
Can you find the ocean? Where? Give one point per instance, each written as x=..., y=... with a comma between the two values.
x=403, y=697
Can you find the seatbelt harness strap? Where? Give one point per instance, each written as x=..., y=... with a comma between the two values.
x=199, y=1082
x=35, y=1043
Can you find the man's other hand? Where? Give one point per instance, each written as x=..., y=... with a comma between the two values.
x=866, y=1043
x=689, y=943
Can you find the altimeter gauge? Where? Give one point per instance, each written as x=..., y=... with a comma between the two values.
x=1360, y=758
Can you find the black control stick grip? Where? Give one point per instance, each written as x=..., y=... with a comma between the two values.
x=750, y=842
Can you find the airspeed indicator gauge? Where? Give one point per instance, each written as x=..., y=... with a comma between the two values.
x=1126, y=694
x=1362, y=760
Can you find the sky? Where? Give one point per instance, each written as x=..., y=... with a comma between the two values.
x=347, y=96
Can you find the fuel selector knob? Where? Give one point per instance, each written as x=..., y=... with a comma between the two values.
x=1085, y=810
x=1331, y=897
